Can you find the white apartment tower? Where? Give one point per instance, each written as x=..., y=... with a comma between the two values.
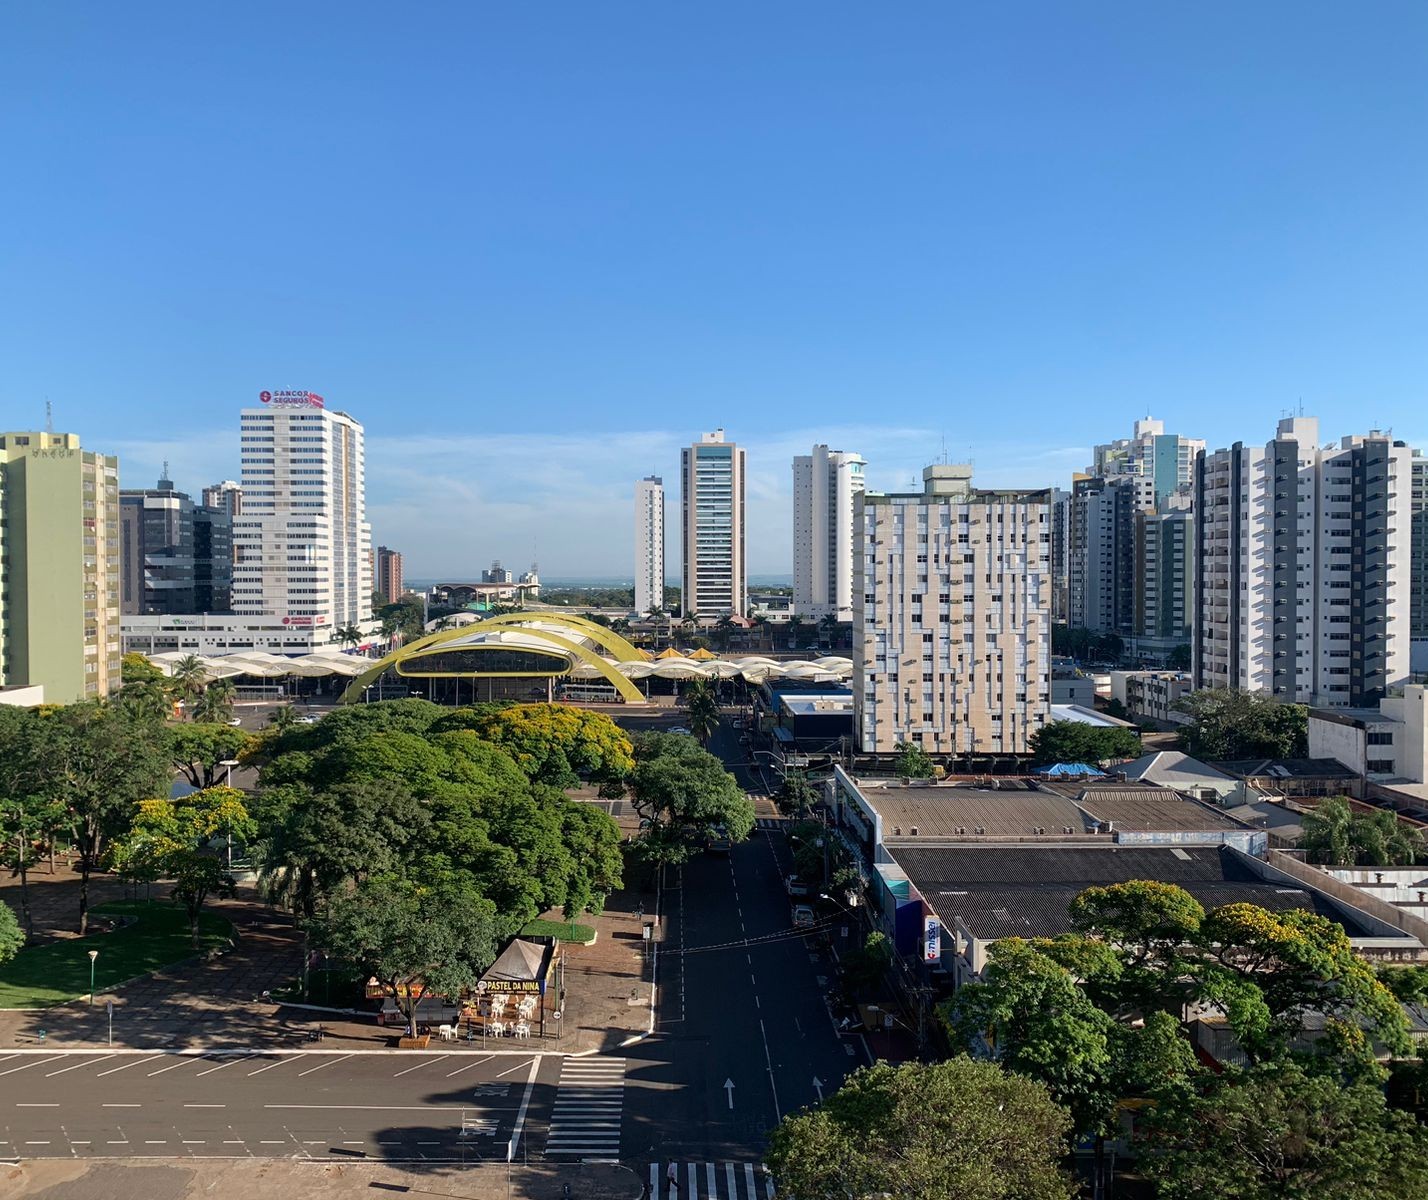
x=649, y=544
x=952, y=617
x=1166, y=459
x=714, y=578
x=1303, y=567
x=825, y=483
x=302, y=543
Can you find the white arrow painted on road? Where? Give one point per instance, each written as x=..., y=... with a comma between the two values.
x=729, y=1091
x=818, y=1087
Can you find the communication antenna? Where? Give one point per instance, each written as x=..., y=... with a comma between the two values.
x=49, y=416
x=166, y=469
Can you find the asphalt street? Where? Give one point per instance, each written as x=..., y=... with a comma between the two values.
x=742, y=1035
x=456, y=1106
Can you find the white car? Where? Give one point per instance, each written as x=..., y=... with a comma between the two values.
x=678, y=729
x=235, y=720
x=307, y=719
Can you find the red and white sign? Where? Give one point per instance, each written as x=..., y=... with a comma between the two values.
x=297, y=620
x=291, y=399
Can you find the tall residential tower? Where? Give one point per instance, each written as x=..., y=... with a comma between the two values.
x=303, y=545
x=1303, y=567
x=649, y=544
x=715, y=582
x=825, y=484
x=59, y=567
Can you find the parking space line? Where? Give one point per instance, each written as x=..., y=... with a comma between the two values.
x=277, y=1062
x=511, y=1070
x=338, y=1059
x=420, y=1065
x=86, y=1063
x=118, y=1104
x=171, y=1067
x=36, y=1104
x=136, y=1063
x=28, y=1065
x=205, y=1106
x=228, y=1063
x=469, y=1065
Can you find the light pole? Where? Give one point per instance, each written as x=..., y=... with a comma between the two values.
x=230, y=763
x=93, y=954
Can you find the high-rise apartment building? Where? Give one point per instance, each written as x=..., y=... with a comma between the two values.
x=389, y=574
x=649, y=544
x=1101, y=558
x=825, y=484
x=168, y=554
x=302, y=541
x=1418, y=555
x=226, y=495
x=952, y=617
x=1166, y=459
x=1303, y=567
x=212, y=559
x=1164, y=577
x=59, y=567
x=714, y=579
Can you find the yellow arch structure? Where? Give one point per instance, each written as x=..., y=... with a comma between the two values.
x=625, y=687
x=600, y=634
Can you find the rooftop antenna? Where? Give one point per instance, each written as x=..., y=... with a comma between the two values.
x=49, y=416
x=166, y=468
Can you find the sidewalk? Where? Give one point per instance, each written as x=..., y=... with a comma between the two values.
x=283, y=1179
x=216, y=1004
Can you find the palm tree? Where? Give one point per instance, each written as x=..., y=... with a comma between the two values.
x=282, y=718
x=761, y=628
x=349, y=635
x=829, y=626
x=216, y=702
x=187, y=677
x=723, y=631
x=795, y=629
x=701, y=710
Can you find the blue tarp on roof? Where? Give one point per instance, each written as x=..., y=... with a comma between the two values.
x=1067, y=771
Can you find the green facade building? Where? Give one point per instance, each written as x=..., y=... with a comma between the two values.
x=59, y=567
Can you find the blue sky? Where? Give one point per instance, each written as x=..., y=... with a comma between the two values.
x=537, y=247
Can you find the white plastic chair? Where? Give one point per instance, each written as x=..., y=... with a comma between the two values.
x=523, y=1030
x=497, y=1028
x=446, y=1032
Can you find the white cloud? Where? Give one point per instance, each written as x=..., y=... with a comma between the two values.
x=452, y=504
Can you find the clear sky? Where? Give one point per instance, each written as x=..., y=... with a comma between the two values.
x=535, y=247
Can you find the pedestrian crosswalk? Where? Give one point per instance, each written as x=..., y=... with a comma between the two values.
x=710, y=1181
x=589, y=1100
x=770, y=822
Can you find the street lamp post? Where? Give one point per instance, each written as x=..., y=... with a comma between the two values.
x=93, y=954
x=230, y=763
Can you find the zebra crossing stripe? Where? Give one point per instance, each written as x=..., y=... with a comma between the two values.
x=740, y=1181
x=589, y=1102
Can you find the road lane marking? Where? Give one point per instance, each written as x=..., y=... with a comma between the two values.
x=156, y=1142
x=172, y=1067
x=125, y=1104
x=521, y=1113
x=205, y=1106
x=221, y=1065
x=338, y=1059
x=420, y=1065
x=79, y=1142
x=469, y=1065
x=118, y=1142
x=37, y=1143
x=62, y=1070
x=137, y=1063
x=193, y=1142
x=272, y=1142
x=36, y=1104
x=28, y=1065
x=511, y=1070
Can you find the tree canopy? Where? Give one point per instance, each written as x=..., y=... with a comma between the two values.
x=198, y=748
x=912, y=762
x=684, y=797
x=1338, y=836
x=1077, y=742
x=955, y=1130
x=1227, y=724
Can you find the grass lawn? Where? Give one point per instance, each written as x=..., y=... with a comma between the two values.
x=58, y=971
x=564, y=931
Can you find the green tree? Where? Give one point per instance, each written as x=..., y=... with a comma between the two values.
x=1077, y=742
x=144, y=689
x=1278, y=1132
x=1336, y=835
x=12, y=937
x=176, y=839
x=955, y=1130
x=1179, y=659
x=349, y=635
x=214, y=703
x=187, y=677
x=101, y=760
x=29, y=816
x=553, y=744
x=415, y=940
x=912, y=761
x=1228, y=724
x=684, y=795
x=701, y=710
x=196, y=750
x=282, y=718
x=796, y=795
